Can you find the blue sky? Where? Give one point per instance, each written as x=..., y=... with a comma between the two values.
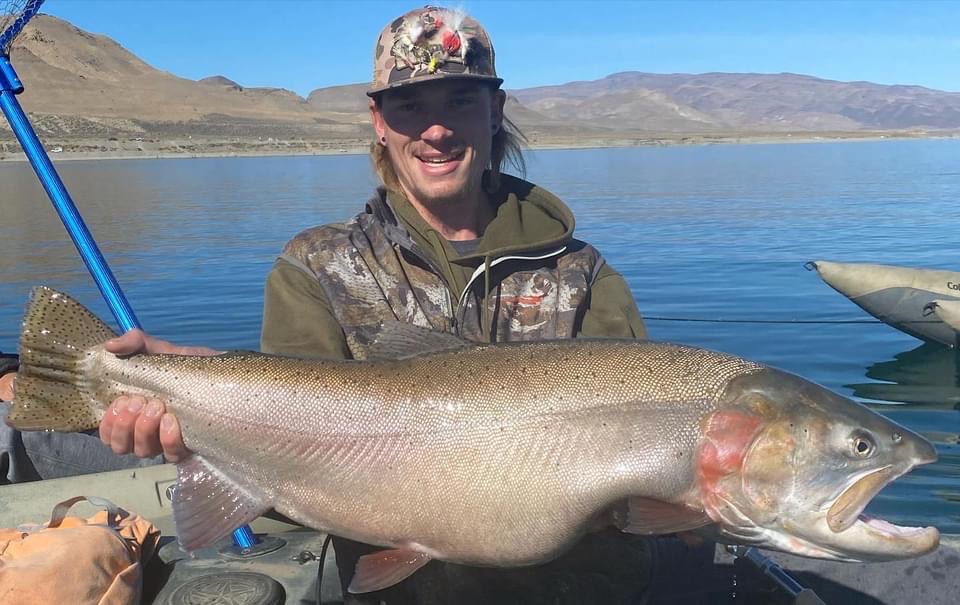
x=306, y=44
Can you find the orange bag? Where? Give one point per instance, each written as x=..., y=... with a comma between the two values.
x=78, y=561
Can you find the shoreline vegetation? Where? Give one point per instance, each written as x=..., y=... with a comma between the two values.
x=212, y=147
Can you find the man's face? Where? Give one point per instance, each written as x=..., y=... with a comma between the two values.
x=438, y=135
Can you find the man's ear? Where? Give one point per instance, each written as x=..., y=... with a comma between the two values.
x=376, y=116
x=496, y=109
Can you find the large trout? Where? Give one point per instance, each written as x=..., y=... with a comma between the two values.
x=499, y=455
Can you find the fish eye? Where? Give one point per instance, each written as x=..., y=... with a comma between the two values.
x=862, y=445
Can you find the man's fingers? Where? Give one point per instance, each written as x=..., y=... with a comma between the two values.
x=131, y=343
x=146, y=439
x=124, y=422
x=137, y=341
x=132, y=425
x=106, y=423
x=172, y=440
x=6, y=386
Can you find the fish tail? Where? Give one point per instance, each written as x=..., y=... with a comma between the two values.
x=54, y=390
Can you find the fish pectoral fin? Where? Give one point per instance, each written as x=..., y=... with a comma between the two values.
x=208, y=505
x=646, y=516
x=385, y=568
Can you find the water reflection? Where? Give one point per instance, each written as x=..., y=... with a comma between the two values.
x=927, y=376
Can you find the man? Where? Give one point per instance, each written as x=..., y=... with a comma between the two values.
x=448, y=243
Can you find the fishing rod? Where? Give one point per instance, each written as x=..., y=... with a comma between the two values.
x=19, y=13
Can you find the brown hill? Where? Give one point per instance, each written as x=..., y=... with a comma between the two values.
x=82, y=85
x=67, y=71
x=220, y=81
x=85, y=92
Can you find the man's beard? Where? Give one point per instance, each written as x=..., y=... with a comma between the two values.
x=449, y=198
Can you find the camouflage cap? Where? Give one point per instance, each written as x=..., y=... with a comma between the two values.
x=432, y=43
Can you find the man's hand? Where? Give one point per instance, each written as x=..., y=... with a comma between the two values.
x=6, y=386
x=135, y=424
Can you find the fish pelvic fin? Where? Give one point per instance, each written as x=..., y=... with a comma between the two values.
x=52, y=391
x=646, y=516
x=208, y=505
x=385, y=568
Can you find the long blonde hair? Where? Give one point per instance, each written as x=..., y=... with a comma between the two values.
x=506, y=148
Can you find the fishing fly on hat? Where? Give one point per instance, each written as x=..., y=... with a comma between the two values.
x=432, y=43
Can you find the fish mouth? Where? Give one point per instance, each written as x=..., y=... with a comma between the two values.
x=846, y=509
x=847, y=512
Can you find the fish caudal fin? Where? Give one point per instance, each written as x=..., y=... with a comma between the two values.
x=208, y=505
x=52, y=390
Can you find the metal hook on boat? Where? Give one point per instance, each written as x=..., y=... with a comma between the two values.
x=930, y=308
x=780, y=576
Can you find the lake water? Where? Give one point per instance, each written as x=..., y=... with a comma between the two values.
x=700, y=233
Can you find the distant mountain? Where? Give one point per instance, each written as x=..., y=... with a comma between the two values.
x=756, y=101
x=83, y=89
x=641, y=109
x=349, y=98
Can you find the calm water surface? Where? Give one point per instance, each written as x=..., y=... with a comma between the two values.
x=700, y=233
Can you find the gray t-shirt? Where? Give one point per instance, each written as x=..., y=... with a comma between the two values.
x=465, y=247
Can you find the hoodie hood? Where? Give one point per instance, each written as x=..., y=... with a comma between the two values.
x=528, y=218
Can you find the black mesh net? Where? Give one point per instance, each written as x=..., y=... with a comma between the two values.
x=14, y=14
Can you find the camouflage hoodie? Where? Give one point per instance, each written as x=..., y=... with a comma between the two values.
x=528, y=279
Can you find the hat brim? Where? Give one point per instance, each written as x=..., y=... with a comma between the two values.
x=433, y=78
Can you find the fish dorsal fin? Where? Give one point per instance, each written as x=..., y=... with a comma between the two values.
x=646, y=516
x=207, y=505
x=399, y=340
x=385, y=568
